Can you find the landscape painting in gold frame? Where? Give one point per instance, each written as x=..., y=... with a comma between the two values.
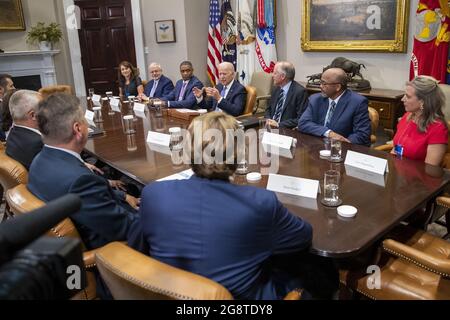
x=355, y=25
x=11, y=15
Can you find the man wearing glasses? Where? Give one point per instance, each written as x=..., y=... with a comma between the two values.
x=336, y=112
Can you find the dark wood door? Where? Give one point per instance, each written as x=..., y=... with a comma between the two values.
x=106, y=39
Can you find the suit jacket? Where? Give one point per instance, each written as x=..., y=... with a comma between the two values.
x=350, y=118
x=294, y=105
x=189, y=101
x=164, y=87
x=233, y=104
x=103, y=217
x=23, y=145
x=219, y=230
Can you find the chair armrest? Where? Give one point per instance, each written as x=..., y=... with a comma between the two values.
x=295, y=294
x=419, y=258
x=258, y=99
x=443, y=201
x=89, y=258
x=384, y=147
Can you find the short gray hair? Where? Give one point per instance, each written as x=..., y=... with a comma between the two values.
x=56, y=116
x=155, y=64
x=288, y=69
x=22, y=102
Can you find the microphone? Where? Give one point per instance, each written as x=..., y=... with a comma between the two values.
x=16, y=233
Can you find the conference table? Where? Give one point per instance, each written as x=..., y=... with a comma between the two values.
x=383, y=201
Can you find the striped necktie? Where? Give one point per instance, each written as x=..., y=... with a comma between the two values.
x=330, y=113
x=183, y=89
x=279, y=108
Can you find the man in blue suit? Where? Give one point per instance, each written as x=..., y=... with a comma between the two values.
x=229, y=95
x=160, y=85
x=182, y=95
x=105, y=214
x=239, y=236
x=337, y=112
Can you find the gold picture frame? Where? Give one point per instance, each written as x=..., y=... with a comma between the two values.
x=355, y=25
x=11, y=15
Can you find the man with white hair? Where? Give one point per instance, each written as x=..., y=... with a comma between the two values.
x=160, y=85
x=24, y=140
x=229, y=95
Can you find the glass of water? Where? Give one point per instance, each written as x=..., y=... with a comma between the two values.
x=91, y=92
x=331, y=182
x=336, y=151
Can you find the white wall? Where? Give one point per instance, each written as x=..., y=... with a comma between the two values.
x=384, y=70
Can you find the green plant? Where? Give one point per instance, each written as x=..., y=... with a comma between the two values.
x=40, y=32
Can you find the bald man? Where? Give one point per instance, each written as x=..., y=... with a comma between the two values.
x=337, y=112
x=160, y=85
x=228, y=96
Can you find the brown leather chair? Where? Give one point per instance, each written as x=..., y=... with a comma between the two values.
x=46, y=91
x=418, y=268
x=374, y=121
x=21, y=201
x=12, y=173
x=263, y=83
x=130, y=274
x=250, y=102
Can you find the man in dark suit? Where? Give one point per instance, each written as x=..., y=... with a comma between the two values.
x=24, y=140
x=6, y=84
x=289, y=99
x=229, y=95
x=160, y=85
x=182, y=95
x=105, y=214
x=337, y=112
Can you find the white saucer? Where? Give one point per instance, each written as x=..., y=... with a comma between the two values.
x=347, y=211
x=253, y=176
x=325, y=153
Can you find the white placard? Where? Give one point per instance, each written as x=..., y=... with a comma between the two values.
x=139, y=107
x=140, y=114
x=286, y=153
x=89, y=115
x=160, y=149
x=292, y=185
x=277, y=140
x=183, y=175
x=96, y=97
x=365, y=175
x=115, y=105
x=187, y=111
x=366, y=162
x=161, y=139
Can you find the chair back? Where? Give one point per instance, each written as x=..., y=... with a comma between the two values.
x=446, y=90
x=251, y=100
x=12, y=172
x=46, y=91
x=21, y=201
x=374, y=121
x=144, y=82
x=130, y=274
x=263, y=83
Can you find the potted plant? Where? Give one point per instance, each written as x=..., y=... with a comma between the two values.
x=45, y=35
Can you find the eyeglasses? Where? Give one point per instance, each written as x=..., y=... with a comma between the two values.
x=324, y=83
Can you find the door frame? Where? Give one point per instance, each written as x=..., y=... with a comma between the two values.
x=75, y=50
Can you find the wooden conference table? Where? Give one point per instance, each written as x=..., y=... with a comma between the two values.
x=382, y=201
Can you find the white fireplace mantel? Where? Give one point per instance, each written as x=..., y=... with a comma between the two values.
x=30, y=63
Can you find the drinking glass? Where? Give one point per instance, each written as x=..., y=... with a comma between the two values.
x=331, y=182
x=336, y=150
x=97, y=114
x=91, y=92
x=128, y=124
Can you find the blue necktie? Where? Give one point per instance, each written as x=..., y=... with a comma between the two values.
x=155, y=84
x=330, y=113
x=183, y=89
x=222, y=94
x=279, y=108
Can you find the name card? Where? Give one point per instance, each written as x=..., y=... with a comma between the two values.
x=183, y=175
x=161, y=139
x=365, y=175
x=291, y=185
x=115, y=104
x=89, y=115
x=160, y=149
x=140, y=114
x=366, y=162
x=286, y=153
x=277, y=140
x=139, y=107
x=96, y=97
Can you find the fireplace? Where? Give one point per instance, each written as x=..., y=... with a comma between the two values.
x=31, y=69
x=28, y=82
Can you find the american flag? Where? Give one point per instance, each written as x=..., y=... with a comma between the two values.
x=214, y=42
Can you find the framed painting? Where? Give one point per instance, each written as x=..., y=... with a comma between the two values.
x=165, y=31
x=355, y=25
x=11, y=15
